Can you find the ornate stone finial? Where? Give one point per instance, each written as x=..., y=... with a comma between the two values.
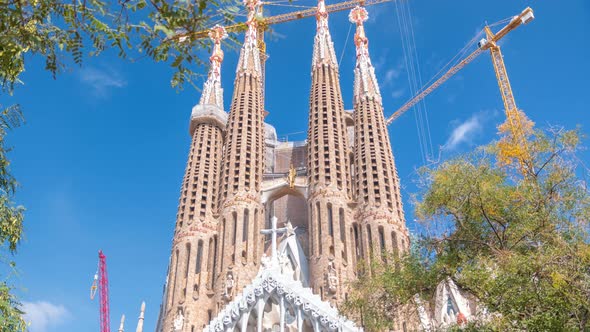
x=321, y=14
x=358, y=16
x=365, y=82
x=252, y=6
x=122, y=325
x=250, y=55
x=217, y=34
x=212, y=92
x=323, y=48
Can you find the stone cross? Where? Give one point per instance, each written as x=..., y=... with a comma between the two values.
x=273, y=231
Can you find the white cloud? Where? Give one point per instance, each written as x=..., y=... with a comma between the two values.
x=398, y=93
x=101, y=80
x=41, y=315
x=465, y=132
x=393, y=73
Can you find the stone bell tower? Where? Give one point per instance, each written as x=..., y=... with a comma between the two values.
x=328, y=172
x=379, y=215
x=241, y=210
x=191, y=273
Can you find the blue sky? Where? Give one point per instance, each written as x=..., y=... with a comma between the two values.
x=102, y=155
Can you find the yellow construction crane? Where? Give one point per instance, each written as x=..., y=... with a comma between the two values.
x=517, y=126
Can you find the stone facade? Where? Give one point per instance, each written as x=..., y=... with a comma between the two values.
x=339, y=190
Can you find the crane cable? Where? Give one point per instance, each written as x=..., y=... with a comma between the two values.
x=345, y=44
x=414, y=77
x=458, y=58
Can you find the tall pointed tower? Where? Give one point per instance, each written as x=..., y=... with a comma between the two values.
x=381, y=224
x=328, y=175
x=241, y=210
x=191, y=277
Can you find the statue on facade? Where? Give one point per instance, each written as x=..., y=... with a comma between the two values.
x=178, y=321
x=332, y=277
x=228, y=289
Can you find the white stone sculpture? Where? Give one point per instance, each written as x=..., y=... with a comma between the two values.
x=332, y=277
x=178, y=321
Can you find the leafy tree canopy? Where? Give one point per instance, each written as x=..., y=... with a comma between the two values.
x=518, y=243
x=63, y=32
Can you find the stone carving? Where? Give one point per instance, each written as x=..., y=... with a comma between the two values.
x=285, y=263
x=228, y=289
x=265, y=261
x=332, y=277
x=178, y=321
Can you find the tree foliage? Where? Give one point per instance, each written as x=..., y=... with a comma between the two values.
x=518, y=243
x=61, y=30
x=11, y=226
x=63, y=33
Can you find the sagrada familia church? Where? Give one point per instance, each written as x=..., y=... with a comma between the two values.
x=268, y=234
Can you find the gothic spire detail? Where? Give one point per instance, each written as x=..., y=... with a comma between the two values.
x=249, y=61
x=323, y=47
x=141, y=317
x=212, y=90
x=365, y=82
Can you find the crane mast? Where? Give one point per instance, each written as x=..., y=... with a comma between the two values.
x=101, y=284
x=517, y=126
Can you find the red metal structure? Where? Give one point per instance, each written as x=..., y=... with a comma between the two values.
x=101, y=282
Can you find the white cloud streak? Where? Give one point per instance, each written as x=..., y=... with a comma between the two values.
x=41, y=315
x=465, y=132
x=101, y=80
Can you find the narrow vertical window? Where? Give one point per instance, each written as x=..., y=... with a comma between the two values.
x=255, y=234
x=343, y=234
x=199, y=257
x=357, y=244
x=394, y=243
x=214, y=265
x=318, y=211
x=188, y=260
x=382, y=242
x=223, y=240
x=245, y=226
x=174, y=276
x=330, y=221
x=235, y=229
x=370, y=240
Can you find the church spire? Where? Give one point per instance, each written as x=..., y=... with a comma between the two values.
x=122, y=325
x=141, y=317
x=379, y=204
x=365, y=82
x=323, y=48
x=212, y=91
x=250, y=55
